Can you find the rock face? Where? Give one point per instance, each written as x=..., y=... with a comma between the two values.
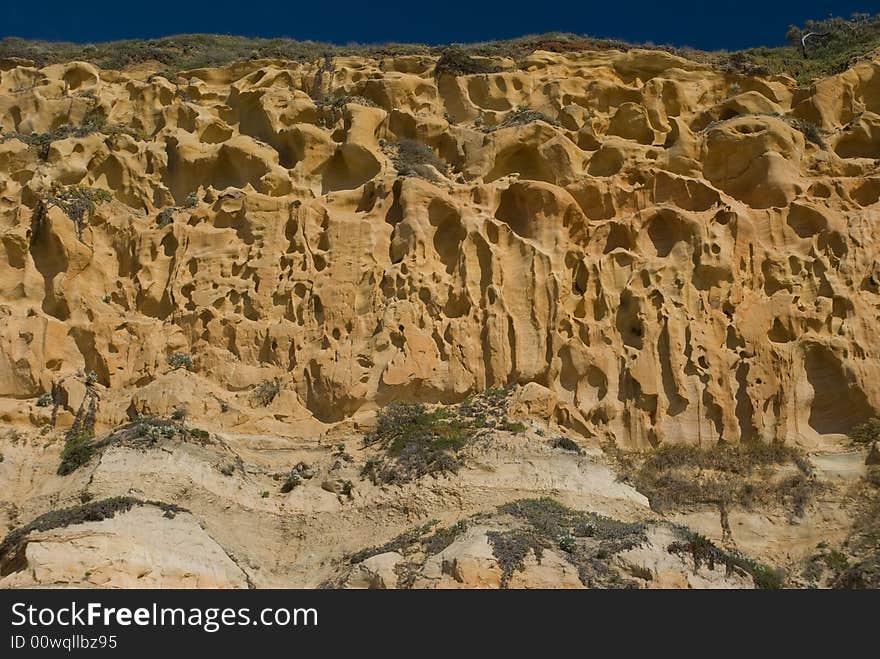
x=678, y=255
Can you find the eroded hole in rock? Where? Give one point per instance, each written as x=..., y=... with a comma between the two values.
x=838, y=402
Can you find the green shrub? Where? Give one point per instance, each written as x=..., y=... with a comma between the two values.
x=836, y=561
x=77, y=451
x=414, y=158
x=296, y=476
x=521, y=117
x=866, y=433
x=721, y=475
x=45, y=400
x=416, y=441
x=399, y=544
x=511, y=548
x=265, y=392
x=512, y=426
x=78, y=446
x=455, y=61
x=77, y=202
x=702, y=550
x=810, y=131
x=566, y=444
x=181, y=360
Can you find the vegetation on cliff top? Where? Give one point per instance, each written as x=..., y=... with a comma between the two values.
x=834, y=45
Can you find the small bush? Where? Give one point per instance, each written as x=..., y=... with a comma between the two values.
x=297, y=475
x=179, y=360
x=414, y=158
x=165, y=216
x=399, y=544
x=512, y=426
x=866, y=433
x=810, y=131
x=836, y=561
x=722, y=474
x=265, y=392
x=521, y=117
x=702, y=550
x=77, y=451
x=456, y=62
x=566, y=444
x=567, y=543
x=78, y=447
x=417, y=442
x=45, y=400
x=78, y=203
x=330, y=110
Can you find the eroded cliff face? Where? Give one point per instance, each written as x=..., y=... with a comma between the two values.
x=677, y=255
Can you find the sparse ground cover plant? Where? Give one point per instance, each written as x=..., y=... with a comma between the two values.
x=721, y=475
x=704, y=551
x=584, y=539
x=511, y=548
x=398, y=544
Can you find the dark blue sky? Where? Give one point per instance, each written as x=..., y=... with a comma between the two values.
x=714, y=24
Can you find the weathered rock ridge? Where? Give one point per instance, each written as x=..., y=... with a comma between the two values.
x=677, y=255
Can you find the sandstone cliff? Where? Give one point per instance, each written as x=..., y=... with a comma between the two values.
x=651, y=252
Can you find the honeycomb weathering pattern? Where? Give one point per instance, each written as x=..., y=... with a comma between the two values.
x=671, y=258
